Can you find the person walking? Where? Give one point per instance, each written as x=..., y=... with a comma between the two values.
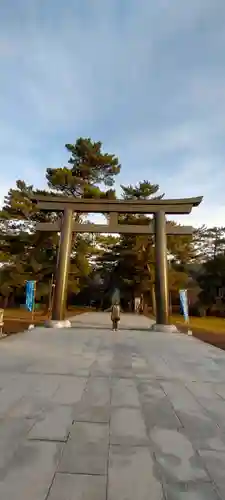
x=115, y=316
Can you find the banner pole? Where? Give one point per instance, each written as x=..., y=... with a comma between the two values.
x=33, y=305
x=50, y=299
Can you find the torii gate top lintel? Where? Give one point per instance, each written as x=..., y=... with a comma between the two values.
x=82, y=205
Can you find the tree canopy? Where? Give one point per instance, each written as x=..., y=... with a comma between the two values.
x=89, y=170
x=28, y=254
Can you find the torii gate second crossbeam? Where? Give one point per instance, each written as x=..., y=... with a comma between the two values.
x=66, y=226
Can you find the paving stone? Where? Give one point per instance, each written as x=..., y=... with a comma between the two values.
x=84, y=433
x=127, y=427
x=30, y=472
x=51, y=366
x=9, y=397
x=211, y=440
x=215, y=464
x=84, y=459
x=196, y=491
x=160, y=413
x=29, y=407
x=196, y=420
x=87, y=449
x=86, y=413
x=70, y=390
x=147, y=375
x=37, y=393
x=197, y=425
x=54, y=426
x=216, y=410
x=124, y=393
x=150, y=391
x=161, y=369
x=132, y=475
x=176, y=456
x=97, y=392
x=203, y=390
x=102, y=367
x=76, y=369
x=60, y=365
x=139, y=363
x=122, y=373
x=181, y=399
x=78, y=487
x=140, y=367
x=43, y=386
x=220, y=390
x=12, y=432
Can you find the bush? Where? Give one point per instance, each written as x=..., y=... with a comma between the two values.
x=197, y=310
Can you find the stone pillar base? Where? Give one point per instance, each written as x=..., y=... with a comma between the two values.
x=50, y=323
x=164, y=328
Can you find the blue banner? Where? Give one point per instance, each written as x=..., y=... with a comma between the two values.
x=184, y=304
x=30, y=295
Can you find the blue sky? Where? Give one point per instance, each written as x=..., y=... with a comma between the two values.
x=145, y=77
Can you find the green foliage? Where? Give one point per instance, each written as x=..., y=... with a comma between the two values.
x=209, y=270
x=142, y=191
x=182, y=248
x=28, y=254
x=212, y=280
x=209, y=242
x=89, y=169
x=17, y=204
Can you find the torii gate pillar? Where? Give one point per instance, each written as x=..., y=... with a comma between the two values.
x=60, y=294
x=161, y=270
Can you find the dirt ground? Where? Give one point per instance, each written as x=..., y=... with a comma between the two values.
x=213, y=338
x=11, y=327
x=208, y=329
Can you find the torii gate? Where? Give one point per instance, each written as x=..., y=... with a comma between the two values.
x=66, y=226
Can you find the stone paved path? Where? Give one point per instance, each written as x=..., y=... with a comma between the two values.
x=88, y=414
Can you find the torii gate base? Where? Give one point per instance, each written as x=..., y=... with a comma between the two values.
x=158, y=207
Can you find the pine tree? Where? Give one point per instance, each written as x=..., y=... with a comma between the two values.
x=89, y=169
x=28, y=254
x=209, y=243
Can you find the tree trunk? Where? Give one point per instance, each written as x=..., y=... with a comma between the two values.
x=5, y=302
x=152, y=293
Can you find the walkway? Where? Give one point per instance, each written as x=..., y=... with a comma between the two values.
x=88, y=414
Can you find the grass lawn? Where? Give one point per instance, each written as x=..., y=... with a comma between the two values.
x=18, y=320
x=210, y=329
x=209, y=324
